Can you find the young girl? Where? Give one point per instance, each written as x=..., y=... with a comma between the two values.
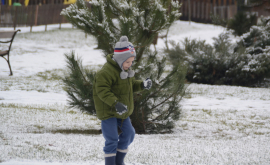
x=113, y=91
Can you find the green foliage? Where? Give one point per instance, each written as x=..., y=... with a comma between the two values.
x=78, y=84
x=223, y=63
x=216, y=20
x=257, y=39
x=108, y=20
x=241, y=23
x=256, y=1
x=205, y=62
x=156, y=109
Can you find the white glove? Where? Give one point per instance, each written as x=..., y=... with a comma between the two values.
x=147, y=84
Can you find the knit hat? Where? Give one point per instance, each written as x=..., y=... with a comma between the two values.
x=124, y=50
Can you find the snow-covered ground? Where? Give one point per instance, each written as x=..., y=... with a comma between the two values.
x=219, y=124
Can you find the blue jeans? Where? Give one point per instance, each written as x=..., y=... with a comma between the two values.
x=113, y=141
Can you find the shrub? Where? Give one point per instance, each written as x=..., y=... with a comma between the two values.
x=224, y=63
x=241, y=23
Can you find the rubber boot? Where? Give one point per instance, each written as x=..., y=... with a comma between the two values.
x=119, y=160
x=110, y=160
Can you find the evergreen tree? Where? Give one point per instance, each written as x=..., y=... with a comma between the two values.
x=241, y=23
x=78, y=84
x=155, y=110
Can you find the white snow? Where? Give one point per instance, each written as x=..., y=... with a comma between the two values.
x=218, y=125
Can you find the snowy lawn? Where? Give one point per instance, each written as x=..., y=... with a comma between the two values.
x=219, y=124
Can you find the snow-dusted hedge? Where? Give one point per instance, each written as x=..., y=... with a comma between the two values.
x=247, y=63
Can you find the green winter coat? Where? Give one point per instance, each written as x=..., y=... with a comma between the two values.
x=109, y=88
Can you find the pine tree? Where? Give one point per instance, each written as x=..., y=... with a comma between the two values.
x=141, y=21
x=78, y=84
x=241, y=23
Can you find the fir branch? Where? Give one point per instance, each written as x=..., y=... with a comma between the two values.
x=163, y=101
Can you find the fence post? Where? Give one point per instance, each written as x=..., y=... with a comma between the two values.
x=189, y=11
x=46, y=19
x=15, y=17
x=198, y=10
x=194, y=9
x=32, y=17
x=36, y=15
x=60, y=19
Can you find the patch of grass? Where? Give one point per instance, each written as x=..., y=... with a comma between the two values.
x=39, y=126
x=77, y=131
x=252, y=116
x=223, y=122
x=259, y=133
x=72, y=112
x=43, y=130
x=187, y=96
x=258, y=123
x=209, y=112
x=51, y=74
x=47, y=81
x=29, y=107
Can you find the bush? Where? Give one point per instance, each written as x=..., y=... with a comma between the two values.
x=224, y=63
x=241, y=23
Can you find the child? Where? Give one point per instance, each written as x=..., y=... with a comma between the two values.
x=113, y=91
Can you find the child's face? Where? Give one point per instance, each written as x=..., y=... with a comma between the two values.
x=128, y=63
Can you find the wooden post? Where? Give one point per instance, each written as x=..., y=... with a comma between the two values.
x=194, y=9
x=203, y=5
x=186, y=9
x=214, y=7
x=32, y=17
x=60, y=18
x=46, y=7
x=36, y=15
x=198, y=9
x=15, y=18
x=189, y=11
x=207, y=10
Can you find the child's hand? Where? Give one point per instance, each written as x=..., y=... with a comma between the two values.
x=120, y=108
x=147, y=83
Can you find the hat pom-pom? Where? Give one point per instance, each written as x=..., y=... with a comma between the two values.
x=123, y=75
x=131, y=73
x=123, y=39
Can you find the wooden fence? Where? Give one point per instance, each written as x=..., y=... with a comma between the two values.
x=201, y=10
x=33, y=15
